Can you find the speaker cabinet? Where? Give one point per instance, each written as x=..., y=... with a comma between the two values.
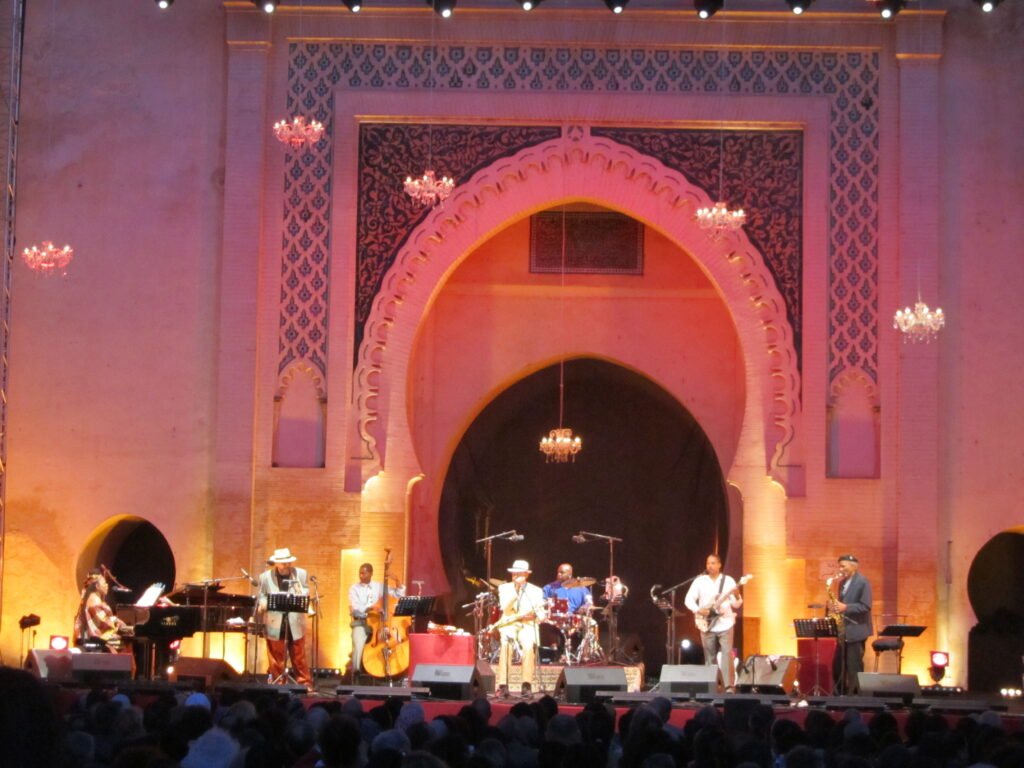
x=208, y=672
x=448, y=681
x=50, y=665
x=689, y=678
x=486, y=674
x=579, y=685
x=905, y=687
x=768, y=674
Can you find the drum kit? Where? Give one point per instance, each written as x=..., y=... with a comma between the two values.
x=565, y=637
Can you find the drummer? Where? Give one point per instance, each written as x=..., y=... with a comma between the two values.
x=573, y=591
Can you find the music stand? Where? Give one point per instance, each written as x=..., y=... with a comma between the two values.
x=286, y=602
x=898, y=631
x=419, y=607
x=815, y=629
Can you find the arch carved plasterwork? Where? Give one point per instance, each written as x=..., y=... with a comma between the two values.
x=300, y=369
x=578, y=166
x=853, y=378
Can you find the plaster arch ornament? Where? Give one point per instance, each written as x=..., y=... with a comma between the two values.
x=579, y=165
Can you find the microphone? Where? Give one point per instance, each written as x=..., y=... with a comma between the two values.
x=313, y=579
x=250, y=578
x=579, y=538
x=119, y=588
x=516, y=537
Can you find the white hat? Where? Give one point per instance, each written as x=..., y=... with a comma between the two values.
x=283, y=555
x=520, y=566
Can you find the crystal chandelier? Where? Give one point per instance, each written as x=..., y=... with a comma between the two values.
x=560, y=446
x=47, y=258
x=718, y=220
x=298, y=131
x=920, y=324
x=429, y=190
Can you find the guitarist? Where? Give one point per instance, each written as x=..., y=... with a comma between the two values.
x=714, y=599
x=522, y=609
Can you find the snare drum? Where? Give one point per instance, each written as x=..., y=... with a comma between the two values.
x=557, y=606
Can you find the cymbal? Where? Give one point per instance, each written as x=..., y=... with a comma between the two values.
x=582, y=581
x=475, y=582
x=497, y=582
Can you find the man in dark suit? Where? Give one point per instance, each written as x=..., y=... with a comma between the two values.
x=853, y=603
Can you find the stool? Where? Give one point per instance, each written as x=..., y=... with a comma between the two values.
x=886, y=644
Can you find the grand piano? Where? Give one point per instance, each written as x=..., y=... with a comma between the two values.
x=194, y=608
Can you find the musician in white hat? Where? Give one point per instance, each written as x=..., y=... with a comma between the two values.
x=286, y=632
x=522, y=610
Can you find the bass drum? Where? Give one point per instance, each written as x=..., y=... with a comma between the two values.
x=552, y=643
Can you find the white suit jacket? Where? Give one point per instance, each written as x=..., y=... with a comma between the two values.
x=274, y=619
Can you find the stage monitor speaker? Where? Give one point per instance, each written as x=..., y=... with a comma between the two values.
x=486, y=673
x=579, y=685
x=905, y=687
x=50, y=665
x=102, y=668
x=688, y=678
x=208, y=672
x=768, y=674
x=447, y=681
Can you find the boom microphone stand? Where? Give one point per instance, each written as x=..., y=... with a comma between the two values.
x=614, y=600
x=488, y=542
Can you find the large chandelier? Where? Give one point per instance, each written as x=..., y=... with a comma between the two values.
x=429, y=190
x=298, y=131
x=47, y=258
x=920, y=324
x=718, y=220
x=560, y=446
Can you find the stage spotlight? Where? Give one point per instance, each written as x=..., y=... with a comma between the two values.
x=267, y=6
x=529, y=5
x=616, y=6
x=163, y=5
x=889, y=8
x=59, y=643
x=798, y=6
x=353, y=5
x=988, y=5
x=443, y=8
x=939, y=662
x=707, y=8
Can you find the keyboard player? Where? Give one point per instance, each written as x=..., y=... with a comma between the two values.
x=96, y=626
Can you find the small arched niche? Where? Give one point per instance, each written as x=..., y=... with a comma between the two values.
x=135, y=552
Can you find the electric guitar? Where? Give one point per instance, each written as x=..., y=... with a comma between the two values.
x=704, y=623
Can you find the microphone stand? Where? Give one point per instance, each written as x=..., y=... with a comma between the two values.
x=488, y=542
x=610, y=609
x=666, y=601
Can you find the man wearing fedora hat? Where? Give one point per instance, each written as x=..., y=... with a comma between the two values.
x=286, y=632
x=522, y=608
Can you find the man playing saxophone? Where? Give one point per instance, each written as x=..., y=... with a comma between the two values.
x=850, y=603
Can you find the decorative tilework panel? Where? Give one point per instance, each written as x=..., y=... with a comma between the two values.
x=848, y=79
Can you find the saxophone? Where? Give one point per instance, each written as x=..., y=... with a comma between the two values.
x=830, y=611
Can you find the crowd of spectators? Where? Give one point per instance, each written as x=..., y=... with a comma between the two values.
x=171, y=729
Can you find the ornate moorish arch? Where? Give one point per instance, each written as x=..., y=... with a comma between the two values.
x=580, y=166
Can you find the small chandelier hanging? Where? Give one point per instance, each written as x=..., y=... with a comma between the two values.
x=720, y=220
x=298, y=131
x=920, y=324
x=48, y=259
x=429, y=190
x=560, y=446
